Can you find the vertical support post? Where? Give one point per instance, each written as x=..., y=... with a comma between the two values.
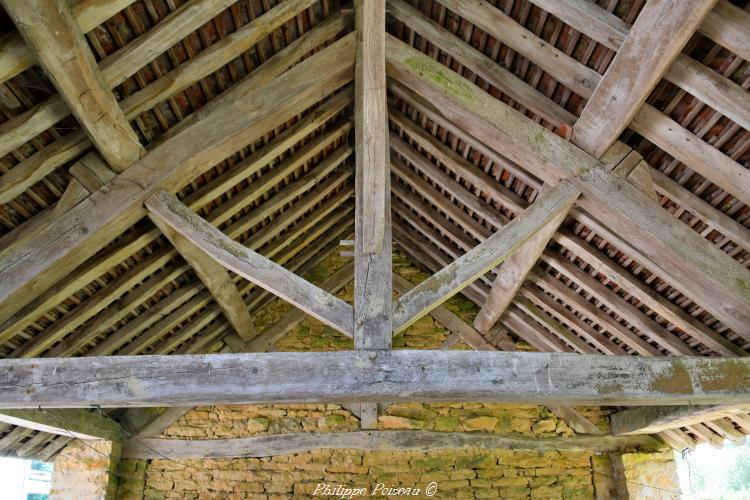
x=373, y=295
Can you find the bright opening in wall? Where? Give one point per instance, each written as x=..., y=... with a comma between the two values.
x=25, y=479
x=716, y=473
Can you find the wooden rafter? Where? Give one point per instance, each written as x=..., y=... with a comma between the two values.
x=512, y=274
x=249, y=264
x=658, y=36
x=217, y=280
x=58, y=45
x=654, y=419
x=81, y=424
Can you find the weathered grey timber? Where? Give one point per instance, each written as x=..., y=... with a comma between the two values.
x=372, y=376
x=251, y=265
x=653, y=419
x=719, y=282
x=82, y=424
x=287, y=444
x=451, y=279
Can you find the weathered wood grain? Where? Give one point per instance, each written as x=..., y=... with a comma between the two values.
x=221, y=128
x=512, y=274
x=58, y=45
x=660, y=32
x=372, y=376
x=450, y=280
x=287, y=444
x=251, y=265
x=480, y=64
x=215, y=277
x=728, y=25
x=653, y=419
x=82, y=424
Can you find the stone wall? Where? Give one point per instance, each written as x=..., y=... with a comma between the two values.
x=84, y=470
x=462, y=473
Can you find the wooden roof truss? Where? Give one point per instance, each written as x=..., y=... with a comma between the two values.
x=578, y=170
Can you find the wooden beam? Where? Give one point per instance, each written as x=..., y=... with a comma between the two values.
x=215, y=277
x=482, y=65
x=512, y=274
x=729, y=25
x=249, y=264
x=649, y=297
x=660, y=32
x=58, y=45
x=232, y=121
x=717, y=91
x=287, y=444
x=575, y=420
x=178, y=24
x=445, y=317
x=725, y=96
x=157, y=425
x=653, y=419
x=646, y=325
x=371, y=118
x=372, y=276
x=275, y=332
x=79, y=423
x=51, y=111
x=577, y=77
x=697, y=154
x=494, y=250
x=372, y=376
x=15, y=56
x=698, y=268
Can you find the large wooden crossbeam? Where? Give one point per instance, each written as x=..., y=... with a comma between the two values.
x=232, y=121
x=705, y=272
x=372, y=376
x=450, y=280
x=250, y=264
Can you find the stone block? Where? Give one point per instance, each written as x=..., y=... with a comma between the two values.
x=393, y=422
x=487, y=424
